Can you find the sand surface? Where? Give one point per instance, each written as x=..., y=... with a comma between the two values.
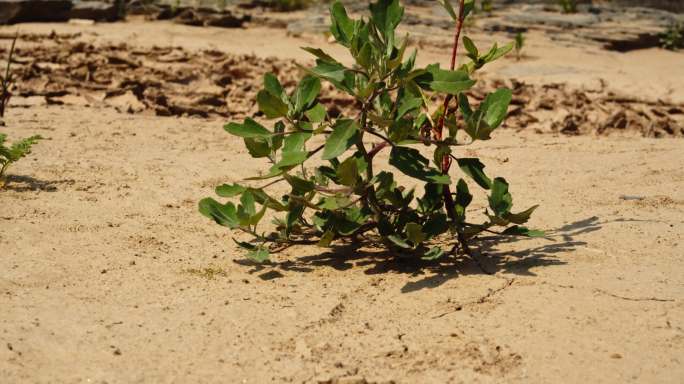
x=109, y=274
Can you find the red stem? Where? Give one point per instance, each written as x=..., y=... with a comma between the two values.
x=377, y=148
x=459, y=26
x=446, y=161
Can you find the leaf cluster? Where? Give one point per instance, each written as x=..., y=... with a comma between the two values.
x=401, y=108
x=673, y=37
x=14, y=152
x=519, y=44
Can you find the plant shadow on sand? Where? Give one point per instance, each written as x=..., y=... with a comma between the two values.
x=489, y=258
x=27, y=183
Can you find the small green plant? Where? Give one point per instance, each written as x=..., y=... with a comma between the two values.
x=401, y=107
x=519, y=44
x=13, y=153
x=673, y=37
x=486, y=6
x=175, y=6
x=21, y=148
x=568, y=6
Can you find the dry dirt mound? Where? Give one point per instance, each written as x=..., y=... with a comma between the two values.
x=171, y=81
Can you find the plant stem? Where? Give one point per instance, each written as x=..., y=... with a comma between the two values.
x=446, y=161
x=377, y=148
x=371, y=198
x=385, y=139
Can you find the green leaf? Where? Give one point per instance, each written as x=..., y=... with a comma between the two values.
x=495, y=107
x=300, y=186
x=500, y=201
x=245, y=245
x=248, y=203
x=474, y=168
x=400, y=130
x=436, y=225
x=410, y=162
x=414, y=233
x=256, y=218
x=332, y=203
x=342, y=27
x=386, y=15
x=278, y=135
x=408, y=105
x=440, y=80
x=470, y=47
x=433, y=254
x=293, y=215
x=306, y=93
x=468, y=7
x=522, y=217
x=259, y=255
x=18, y=149
x=348, y=172
x=250, y=129
x=336, y=74
x=316, y=114
x=490, y=114
x=272, y=106
x=329, y=71
x=365, y=56
x=450, y=10
x=222, y=214
x=272, y=86
x=398, y=241
x=291, y=159
x=227, y=190
x=463, y=199
x=319, y=53
x=264, y=199
x=341, y=139
x=257, y=148
x=327, y=238
x=517, y=230
x=464, y=105
x=496, y=52
x=294, y=142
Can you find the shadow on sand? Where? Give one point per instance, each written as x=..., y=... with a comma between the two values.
x=491, y=258
x=27, y=183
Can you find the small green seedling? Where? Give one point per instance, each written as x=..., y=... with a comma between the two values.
x=410, y=111
x=486, y=6
x=519, y=44
x=21, y=148
x=673, y=37
x=568, y=6
x=13, y=153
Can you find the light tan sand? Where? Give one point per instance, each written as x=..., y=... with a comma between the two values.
x=109, y=274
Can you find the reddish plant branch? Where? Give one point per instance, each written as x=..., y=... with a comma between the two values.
x=377, y=148
x=446, y=161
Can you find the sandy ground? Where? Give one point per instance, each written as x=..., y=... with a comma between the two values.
x=109, y=274
x=648, y=73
